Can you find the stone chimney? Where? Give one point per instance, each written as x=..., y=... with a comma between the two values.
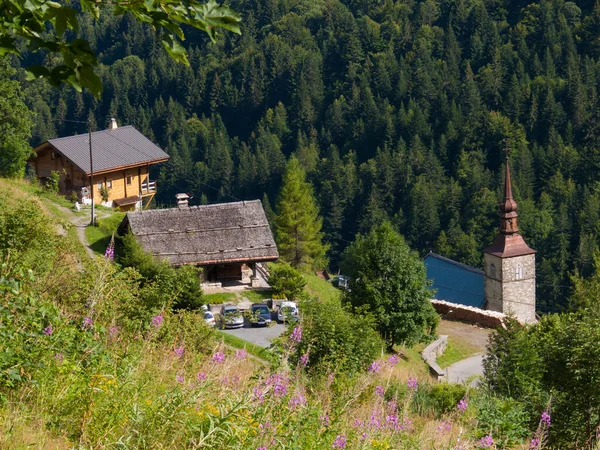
x=113, y=124
x=182, y=200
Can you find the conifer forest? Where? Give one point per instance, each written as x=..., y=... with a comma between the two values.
x=397, y=110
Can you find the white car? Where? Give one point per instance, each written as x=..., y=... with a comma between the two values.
x=287, y=311
x=231, y=317
x=209, y=318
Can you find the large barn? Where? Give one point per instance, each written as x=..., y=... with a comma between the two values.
x=227, y=239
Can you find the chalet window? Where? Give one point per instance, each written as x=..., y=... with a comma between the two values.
x=129, y=179
x=519, y=271
x=109, y=184
x=52, y=155
x=100, y=185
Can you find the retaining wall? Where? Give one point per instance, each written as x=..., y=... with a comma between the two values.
x=470, y=314
x=430, y=354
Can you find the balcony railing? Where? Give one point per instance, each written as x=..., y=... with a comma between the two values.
x=148, y=187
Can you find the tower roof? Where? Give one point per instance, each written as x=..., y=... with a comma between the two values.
x=508, y=241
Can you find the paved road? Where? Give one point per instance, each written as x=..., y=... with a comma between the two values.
x=460, y=371
x=258, y=335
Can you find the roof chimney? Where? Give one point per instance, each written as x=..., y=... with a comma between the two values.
x=113, y=124
x=182, y=200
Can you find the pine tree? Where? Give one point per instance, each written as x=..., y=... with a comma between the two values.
x=298, y=225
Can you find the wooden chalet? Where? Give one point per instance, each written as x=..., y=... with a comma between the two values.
x=225, y=239
x=122, y=157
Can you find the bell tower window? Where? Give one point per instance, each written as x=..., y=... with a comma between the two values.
x=519, y=271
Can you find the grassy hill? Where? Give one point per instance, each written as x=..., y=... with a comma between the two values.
x=93, y=357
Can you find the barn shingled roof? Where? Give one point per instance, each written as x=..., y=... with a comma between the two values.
x=208, y=234
x=111, y=149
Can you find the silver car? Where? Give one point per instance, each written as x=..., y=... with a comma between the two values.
x=231, y=317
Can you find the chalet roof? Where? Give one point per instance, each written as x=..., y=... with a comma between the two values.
x=209, y=234
x=455, y=282
x=112, y=149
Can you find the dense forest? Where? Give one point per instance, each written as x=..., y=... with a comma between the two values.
x=397, y=110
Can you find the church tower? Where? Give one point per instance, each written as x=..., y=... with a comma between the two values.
x=510, y=264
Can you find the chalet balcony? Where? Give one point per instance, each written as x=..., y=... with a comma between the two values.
x=149, y=187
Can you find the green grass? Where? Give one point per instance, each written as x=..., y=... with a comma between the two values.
x=98, y=237
x=321, y=288
x=258, y=296
x=217, y=299
x=455, y=351
x=251, y=348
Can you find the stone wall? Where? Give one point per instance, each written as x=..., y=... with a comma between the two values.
x=430, y=354
x=483, y=318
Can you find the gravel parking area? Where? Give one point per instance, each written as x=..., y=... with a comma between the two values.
x=261, y=336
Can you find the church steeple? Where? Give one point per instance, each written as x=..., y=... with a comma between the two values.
x=508, y=206
x=509, y=281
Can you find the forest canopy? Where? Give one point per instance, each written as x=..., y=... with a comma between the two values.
x=396, y=110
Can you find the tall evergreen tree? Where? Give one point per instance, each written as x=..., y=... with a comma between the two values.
x=298, y=225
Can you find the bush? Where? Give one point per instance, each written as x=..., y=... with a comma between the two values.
x=439, y=398
x=53, y=182
x=334, y=337
x=181, y=285
x=286, y=282
x=505, y=419
x=188, y=330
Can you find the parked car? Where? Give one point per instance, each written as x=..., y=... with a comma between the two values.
x=287, y=311
x=231, y=317
x=341, y=282
x=261, y=314
x=209, y=318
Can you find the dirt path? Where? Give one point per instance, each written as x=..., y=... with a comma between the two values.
x=470, y=335
x=80, y=222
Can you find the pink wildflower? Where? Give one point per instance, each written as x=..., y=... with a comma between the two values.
x=201, y=376
x=375, y=367
x=545, y=419
x=86, y=323
x=393, y=360
x=379, y=390
x=304, y=360
x=298, y=401
x=157, y=320
x=240, y=354
x=218, y=357
x=48, y=330
x=412, y=384
x=340, y=441
x=179, y=351
x=485, y=442
x=296, y=335
x=462, y=405
x=179, y=378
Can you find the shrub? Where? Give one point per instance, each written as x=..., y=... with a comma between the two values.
x=439, y=398
x=334, y=337
x=176, y=287
x=504, y=418
x=104, y=193
x=53, y=182
x=286, y=282
x=188, y=330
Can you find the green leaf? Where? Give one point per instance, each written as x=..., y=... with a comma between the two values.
x=35, y=72
x=221, y=17
x=90, y=80
x=7, y=45
x=174, y=48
